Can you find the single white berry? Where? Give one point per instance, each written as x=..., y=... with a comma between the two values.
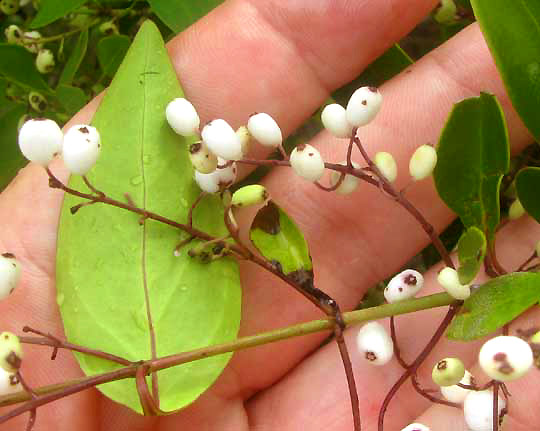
x=28, y=38
x=265, y=130
x=182, y=117
x=40, y=140
x=448, y=278
x=416, y=427
x=218, y=179
x=374, y=343
x=45, y=61
x=13, y=34
x=516, y=210
x=478, y=410
x=9, y=383
x=81, y=148
x=505, y=358
x=422, y=162
x=307, y=162
x=349, y=183
x=202, y=159
x=387, y=165
x=245, y=139
x=363, y=106
x=448, y=372
x=208, y=183
x=221, y=139
x=10, y=274
x=334, y=119
x=11, y=353
x=404, y=285
x=457, y=394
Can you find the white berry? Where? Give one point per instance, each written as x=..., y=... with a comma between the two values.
x=422, y=162
x=457, y=394
x=9, y=383
x=265, y=130
x=387, y=165
x=307, y=162
x=45, y=61
x=40, y=140
x=221, y=139
x=218, y=179
x=349, y=183
x=10, y=274
x=374, y=343
x=416, y=427
x=448, y=278
x=182, y=117
x=478, y=410
x=505, y=358
x=334, y=119
x=404, y=286
x=81, y=148
x=202, y=159
x=28, y=37
x=11, y=353
x=363, y=106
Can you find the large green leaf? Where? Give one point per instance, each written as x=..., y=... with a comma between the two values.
x=75, y=59
x=110, y=52
x=512, y=32
x=471, y=252
x=473, y=154
x=527, y=186
x=494, y=304
x=71, y=98
x=51, y=10
x=12, y=159
x=112, y=273
x=280, y=241
x=18, y=65
x=180, y=14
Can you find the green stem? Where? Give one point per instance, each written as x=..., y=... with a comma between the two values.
x=32, y=41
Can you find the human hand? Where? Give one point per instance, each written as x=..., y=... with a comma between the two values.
x=284, y=58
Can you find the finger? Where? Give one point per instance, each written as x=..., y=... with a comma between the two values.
x=315, y=393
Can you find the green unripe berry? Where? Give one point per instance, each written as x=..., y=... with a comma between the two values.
x=516, y=210
x=9, y=7
x=249, y=195
x=37, y=101
x=446, y=13
x=13, y=34
x=30, y=43
x=387, y=165
x=108, y=28
x=11, y=353
x=448, y=372
x=45, y=61
x=535, y=339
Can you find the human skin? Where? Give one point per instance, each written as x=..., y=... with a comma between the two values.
x=284, y=58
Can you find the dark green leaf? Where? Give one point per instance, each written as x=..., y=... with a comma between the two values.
x=388, y=65
x=51, y=10
x=75, y=59
x=71, y=98
x=527, y=185
x=112, y=273
x=512, y=32
x=12, y=159
x=110, y=51
x=494, y=304
x=180, y=14
x=473, y=155
x=471, y=252
x=18, y=65
x=280, y=241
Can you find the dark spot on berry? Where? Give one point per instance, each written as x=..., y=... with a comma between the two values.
x=504, y=366
x=6, y=337
x=499, y=357
x=99, y=145
x=310, y=154
x=207, y=156
x=84, y=130
x=300, y=147
x=56, y=154
x=11, y=290
x=442, y=365
x=400, y=289
x=373, y=89
x=17, y=33
x=13, y=380
x=88, y=140
x=195, y=148
x=371, y=356
x=13, y=360
x=410, y=280
x=364, y=102
x=8, y=255
x=42, y=106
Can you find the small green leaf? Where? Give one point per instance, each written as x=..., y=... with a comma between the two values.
x=12, y=159
x=115, y=275
x=180, y=14
x=18, y=65
x=51, y=10
x=512, y=32
x=494, y=304
x=473, y=155
x=280, y=241
x=527, y=185
x=75, y=59
x=110, y=52
x=471, y=252
x=71, y=98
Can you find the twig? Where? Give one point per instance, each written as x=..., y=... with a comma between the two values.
x=427, y=395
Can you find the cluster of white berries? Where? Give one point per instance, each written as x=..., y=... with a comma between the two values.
x=40, y=140
x=44, y=59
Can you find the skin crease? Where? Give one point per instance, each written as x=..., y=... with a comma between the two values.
x=260, y=56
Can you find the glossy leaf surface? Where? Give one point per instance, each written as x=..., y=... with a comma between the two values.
x=471, y=252
x=51, y=10
x=527, y=185
x=18, y=65
x=180, y=14
x=473, y=155
x=512, y=31
x=75, y=59
x=495, y=303
x=114, y=275
x=110, y=52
